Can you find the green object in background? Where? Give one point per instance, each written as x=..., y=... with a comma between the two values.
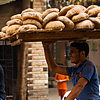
x=94, y=46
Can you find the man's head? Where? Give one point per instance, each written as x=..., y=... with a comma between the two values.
x=78, y=51
x=81, y=46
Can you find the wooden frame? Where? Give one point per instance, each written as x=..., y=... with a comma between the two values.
x=53, y=35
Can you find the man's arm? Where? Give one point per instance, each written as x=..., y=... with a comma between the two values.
x=77, y=89
x=50, y=61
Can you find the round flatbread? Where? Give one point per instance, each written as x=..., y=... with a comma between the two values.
x=50, y=17
x=94, y=11
x=4, y=29
x=32, y=15
x=48, y=11
x=55, y=25
x=80, y=17
x=2, y=34
x=64, y=10
x=96, y=21
x=69, y=25
x=85, y=25
x=34, y=22
x=75, y=10
x=14, y=21
x=91, y=7
x=98, y=15
x=26, y=28
x=27, y=10
x=17, y=16
x=12, y=29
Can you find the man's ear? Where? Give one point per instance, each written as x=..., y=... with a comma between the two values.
x=82, y=53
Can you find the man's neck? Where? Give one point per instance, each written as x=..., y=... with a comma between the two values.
x=81, y=61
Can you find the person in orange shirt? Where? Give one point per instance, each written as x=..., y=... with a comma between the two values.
x=61, y=84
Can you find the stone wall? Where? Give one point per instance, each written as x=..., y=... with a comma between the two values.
x=37, y=76
x=39, y=5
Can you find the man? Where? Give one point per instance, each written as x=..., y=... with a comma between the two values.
x=61, y=83
x=2, y=85
x=84, y=73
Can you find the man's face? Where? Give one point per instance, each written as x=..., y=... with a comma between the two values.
x=74, y=55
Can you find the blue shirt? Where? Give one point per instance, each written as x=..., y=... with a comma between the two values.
x=2, y=85
x=87, y=70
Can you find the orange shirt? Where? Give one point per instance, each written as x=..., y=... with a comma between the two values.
x=61, y=85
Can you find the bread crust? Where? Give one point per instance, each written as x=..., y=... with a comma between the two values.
x=14, y=21
x=17, y=16
x=80, y=17
x=91, y=7
x=96, y=21
x=33, y=22
x=28, y=27
x=55, y=25
x=2, y=34
x=94, y=11
x=12, y=29
x=32, y=15
x=75, y=10
x=50, y=17
x=48, y=11
x=64, y=10
x=27, y=10
x=4, y=29
x=69, y=25
x=85, y=25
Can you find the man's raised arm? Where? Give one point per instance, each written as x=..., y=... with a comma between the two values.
x=50, y=60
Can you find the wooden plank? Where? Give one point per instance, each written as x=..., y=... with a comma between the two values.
x=17, y=42
x=62, y=35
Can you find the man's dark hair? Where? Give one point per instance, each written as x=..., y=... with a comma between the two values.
x=81, y=46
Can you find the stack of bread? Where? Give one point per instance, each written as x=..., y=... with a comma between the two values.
x=76, y=13
x=94, y=15
x=3, y=31
x=49, y=19
x=31, y=20
x=13, y=24
x=72, y=17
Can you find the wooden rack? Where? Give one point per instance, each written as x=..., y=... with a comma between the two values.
x=53, y=35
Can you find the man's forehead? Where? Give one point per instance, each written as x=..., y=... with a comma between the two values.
x=73, y=48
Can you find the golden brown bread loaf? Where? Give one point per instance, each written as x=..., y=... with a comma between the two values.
x=28, y=27
x=14, y=21
x=12, y=29
x=2, y=34
x=32, y=15
x=17, y=16
x=50, y=17
x=75, y=10
x=33, y=22
x=27, y=10
x=4, y=29
x=85, y=25
x=48, y=11
x=64, y=10
x=55, y=25
x=68, y=23
x=98, y=15
x=91, y=7
x=96, y=21
x=94, y=11
x=80, y=17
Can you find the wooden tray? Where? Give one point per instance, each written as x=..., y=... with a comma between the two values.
x=53, y=35
x=58, y=35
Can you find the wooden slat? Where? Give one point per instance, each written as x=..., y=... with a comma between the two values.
x=63, y=35
x=17, y=42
